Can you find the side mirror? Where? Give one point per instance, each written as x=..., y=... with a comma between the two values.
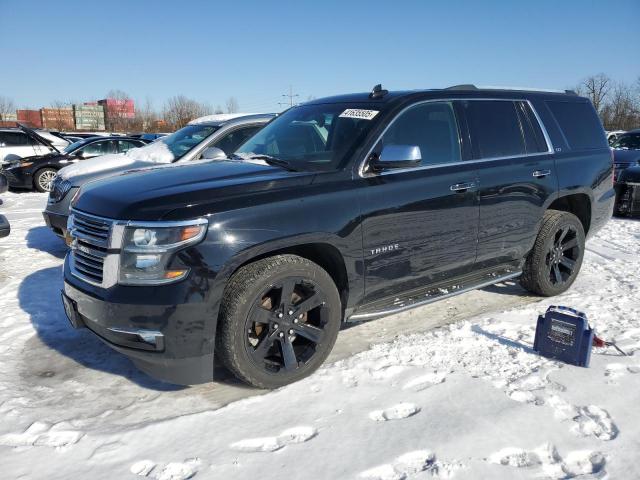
x=80, y=154
x=397, y=156
x=213, y=153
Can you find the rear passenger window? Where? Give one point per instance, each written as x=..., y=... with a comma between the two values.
x=430, y=126
x=533, y=137
x=579, y=123
x=495, y=128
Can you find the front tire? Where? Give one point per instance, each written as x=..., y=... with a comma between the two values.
x=279, y=319
x=44, y=178
x=555, y=260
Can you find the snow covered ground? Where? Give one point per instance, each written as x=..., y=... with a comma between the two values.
x=468, y=400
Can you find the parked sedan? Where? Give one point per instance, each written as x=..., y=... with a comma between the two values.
x=16, y=143
x=206, y=138
x=39, y=171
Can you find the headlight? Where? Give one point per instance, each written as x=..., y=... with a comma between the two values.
x=147, y=251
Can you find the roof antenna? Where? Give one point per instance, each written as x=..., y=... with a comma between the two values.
x=378, y=92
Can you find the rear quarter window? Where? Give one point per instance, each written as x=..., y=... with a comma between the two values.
x=579, y=124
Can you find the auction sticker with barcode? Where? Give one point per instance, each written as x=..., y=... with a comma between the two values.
x=359, y=113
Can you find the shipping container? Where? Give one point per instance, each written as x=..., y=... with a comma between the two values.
x=8, y=117
x=118, y=108
x=89, y=117
x=8, y=124
x=31, y=118
x=58, y=118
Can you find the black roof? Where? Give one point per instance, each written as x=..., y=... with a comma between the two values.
x=466, y=90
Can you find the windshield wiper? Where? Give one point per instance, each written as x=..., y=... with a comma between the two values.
x=267, y=159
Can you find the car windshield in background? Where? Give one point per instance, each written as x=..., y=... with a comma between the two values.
x=182, y=141
x=627, y=142
x=313, y=137
x=75, y=145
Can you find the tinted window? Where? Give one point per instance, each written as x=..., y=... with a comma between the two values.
x=495, y=128
x=627, y=142
x=124, y=145
x=430, y=126
x=14, y=139
x=579, y=123
x=533, y=136
x=99, y=148
x=232, y=140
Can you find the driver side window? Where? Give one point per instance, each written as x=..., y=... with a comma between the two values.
x=98, y=148
x=430, y=126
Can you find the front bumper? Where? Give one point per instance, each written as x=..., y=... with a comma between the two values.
x=165, y=331
x=18, y=178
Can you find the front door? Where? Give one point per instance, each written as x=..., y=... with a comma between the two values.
x=420, y=224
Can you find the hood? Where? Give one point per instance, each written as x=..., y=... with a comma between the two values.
x=152, y=193
x=40, y=139
x=626, y=156
x=108, y=165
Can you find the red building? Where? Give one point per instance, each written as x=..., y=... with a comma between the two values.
x=118, y=108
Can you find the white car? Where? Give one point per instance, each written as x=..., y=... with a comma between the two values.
x=16, y=143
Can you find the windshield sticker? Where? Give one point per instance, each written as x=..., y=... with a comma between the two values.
x=358, y=113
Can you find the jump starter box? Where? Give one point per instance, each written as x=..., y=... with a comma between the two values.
x=564, y=334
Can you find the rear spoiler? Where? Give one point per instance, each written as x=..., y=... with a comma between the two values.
x=38, y=138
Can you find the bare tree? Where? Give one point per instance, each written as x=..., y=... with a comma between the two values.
x=146, y=116
x=6, y=107
x=115, y=117
x=596, y=88
x=180, y=110
x=232, y=105
x=622, y=110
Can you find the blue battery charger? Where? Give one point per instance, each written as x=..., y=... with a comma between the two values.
x=564, y=334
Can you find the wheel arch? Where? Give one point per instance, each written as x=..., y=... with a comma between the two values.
x=578, y=204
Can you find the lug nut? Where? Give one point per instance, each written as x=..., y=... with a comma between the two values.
x=300, y=316
x=290, y=331
x=295, y=320
x=290, y=312
x=281, y=334
x=275, y=326
x=280, y=315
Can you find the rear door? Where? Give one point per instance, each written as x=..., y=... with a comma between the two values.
x=15, y=145
x=420, y=224
x=516, y=173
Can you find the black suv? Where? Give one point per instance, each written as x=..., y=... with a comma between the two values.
x=341, y=209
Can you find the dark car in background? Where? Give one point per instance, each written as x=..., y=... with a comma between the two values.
x=5, y=228
x=38, y=171
x=626, y=158
x=205, y=138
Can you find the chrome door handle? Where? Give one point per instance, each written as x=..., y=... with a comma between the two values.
x=462, y=187
x=541, y=173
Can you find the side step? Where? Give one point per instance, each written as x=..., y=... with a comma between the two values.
x=430, y=294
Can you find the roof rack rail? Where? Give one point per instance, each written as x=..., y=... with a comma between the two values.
x=523, y=89
x=464, y=86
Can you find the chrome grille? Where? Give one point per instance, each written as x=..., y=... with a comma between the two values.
x=59, y=188
x=90, y=241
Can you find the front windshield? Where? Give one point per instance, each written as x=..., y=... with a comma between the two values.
x=183, y=140
x=313, y=137
x=627, y=142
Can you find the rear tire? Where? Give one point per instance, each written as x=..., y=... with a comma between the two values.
x=555, y=260
x=43, y=178
x=279, y=319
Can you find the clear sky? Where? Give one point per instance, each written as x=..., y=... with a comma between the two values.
x=211, y=50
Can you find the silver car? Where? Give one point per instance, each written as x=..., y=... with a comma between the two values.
x=207, y=138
